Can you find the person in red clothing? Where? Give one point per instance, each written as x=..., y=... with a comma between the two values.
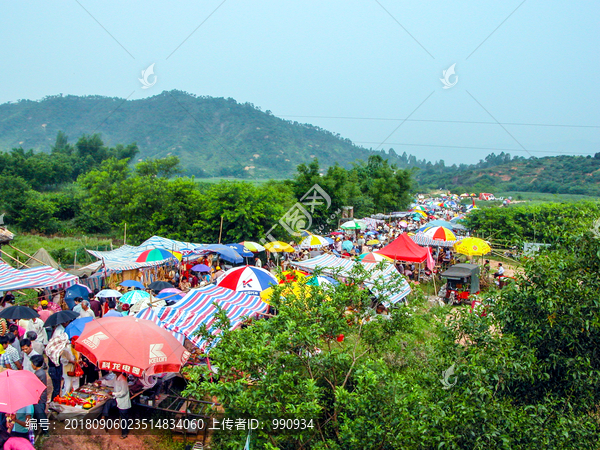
x=194, y=281
x=95, y=305
x=45, y=312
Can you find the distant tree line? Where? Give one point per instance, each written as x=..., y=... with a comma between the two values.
x=90, y=188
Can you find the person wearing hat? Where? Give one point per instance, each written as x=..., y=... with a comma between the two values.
x=218, y=273
x=44, y=312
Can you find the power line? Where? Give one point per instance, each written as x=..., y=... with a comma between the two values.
x=462, y=147
x=444, y=121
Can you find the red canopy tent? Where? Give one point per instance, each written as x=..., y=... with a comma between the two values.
x=404, y=249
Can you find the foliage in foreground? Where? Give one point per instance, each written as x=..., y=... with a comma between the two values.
x=524, y=378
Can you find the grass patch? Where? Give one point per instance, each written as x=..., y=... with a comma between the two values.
x=544, y=197
x=62, y=249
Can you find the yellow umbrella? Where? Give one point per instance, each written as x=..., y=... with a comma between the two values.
x=299, y=289
x=290, y=289
x=472, y=246
x=291, y=276
x=373, y=242
x=278, y=246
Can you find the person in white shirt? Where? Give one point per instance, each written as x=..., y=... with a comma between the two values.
x=77, y=308
x=258, y=262
x=500, y=271
x=121, y=400
x=37, y=326
x=36, y=343
x=86, y=311
x=28, y=352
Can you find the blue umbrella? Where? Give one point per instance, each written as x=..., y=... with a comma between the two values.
x=226, y=253
x=243, y=251
x=347, y=245
x=170, y=297
x=133, y=283
x=203, y=268
x=75, y=328
x=77, y=290
x=441, y=223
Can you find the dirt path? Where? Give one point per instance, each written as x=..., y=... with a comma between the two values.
x=111, y=440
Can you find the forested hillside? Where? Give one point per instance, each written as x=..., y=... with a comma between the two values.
x=211, y=136
x=564, y=174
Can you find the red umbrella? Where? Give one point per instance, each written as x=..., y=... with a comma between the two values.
x=131, y=345
x=19, y=388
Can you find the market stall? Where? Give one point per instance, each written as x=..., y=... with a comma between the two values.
x=84, y=403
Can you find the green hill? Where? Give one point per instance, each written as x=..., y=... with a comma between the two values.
x=562, y=174
x=211, y=136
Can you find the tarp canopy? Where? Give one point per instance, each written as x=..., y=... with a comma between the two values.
x=124, y=258
x=426, y=241
x=404, y=249
x=38, y=277
x=45, y=258
x=197, y=308
x=332, y=265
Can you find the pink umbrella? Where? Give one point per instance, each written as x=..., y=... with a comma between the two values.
x=171, y=291
x=19, y=388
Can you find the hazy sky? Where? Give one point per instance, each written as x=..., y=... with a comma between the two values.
x=324, y=62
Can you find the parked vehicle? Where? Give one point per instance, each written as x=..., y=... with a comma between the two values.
x=462, y=282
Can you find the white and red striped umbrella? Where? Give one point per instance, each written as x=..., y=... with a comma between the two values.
x=249, y=279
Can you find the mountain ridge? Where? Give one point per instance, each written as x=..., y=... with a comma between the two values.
x=212, y=136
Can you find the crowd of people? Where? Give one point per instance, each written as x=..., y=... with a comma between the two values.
x=23, y=342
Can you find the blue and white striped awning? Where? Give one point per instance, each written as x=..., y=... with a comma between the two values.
x=335, y=266
x=197, y=308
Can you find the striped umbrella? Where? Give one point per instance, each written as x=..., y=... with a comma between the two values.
x=373, y=257
x=156, y=254
x=439, y=234
x=133, y=297
x=278, y=246
x=249, y=279
x=315, y=241
x=253, y=246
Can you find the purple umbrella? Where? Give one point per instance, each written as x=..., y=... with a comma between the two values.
x=201, y=268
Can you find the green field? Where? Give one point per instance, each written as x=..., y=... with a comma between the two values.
x=248, y=180
x=541, y=197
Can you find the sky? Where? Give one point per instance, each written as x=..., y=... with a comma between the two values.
x=525, y=77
